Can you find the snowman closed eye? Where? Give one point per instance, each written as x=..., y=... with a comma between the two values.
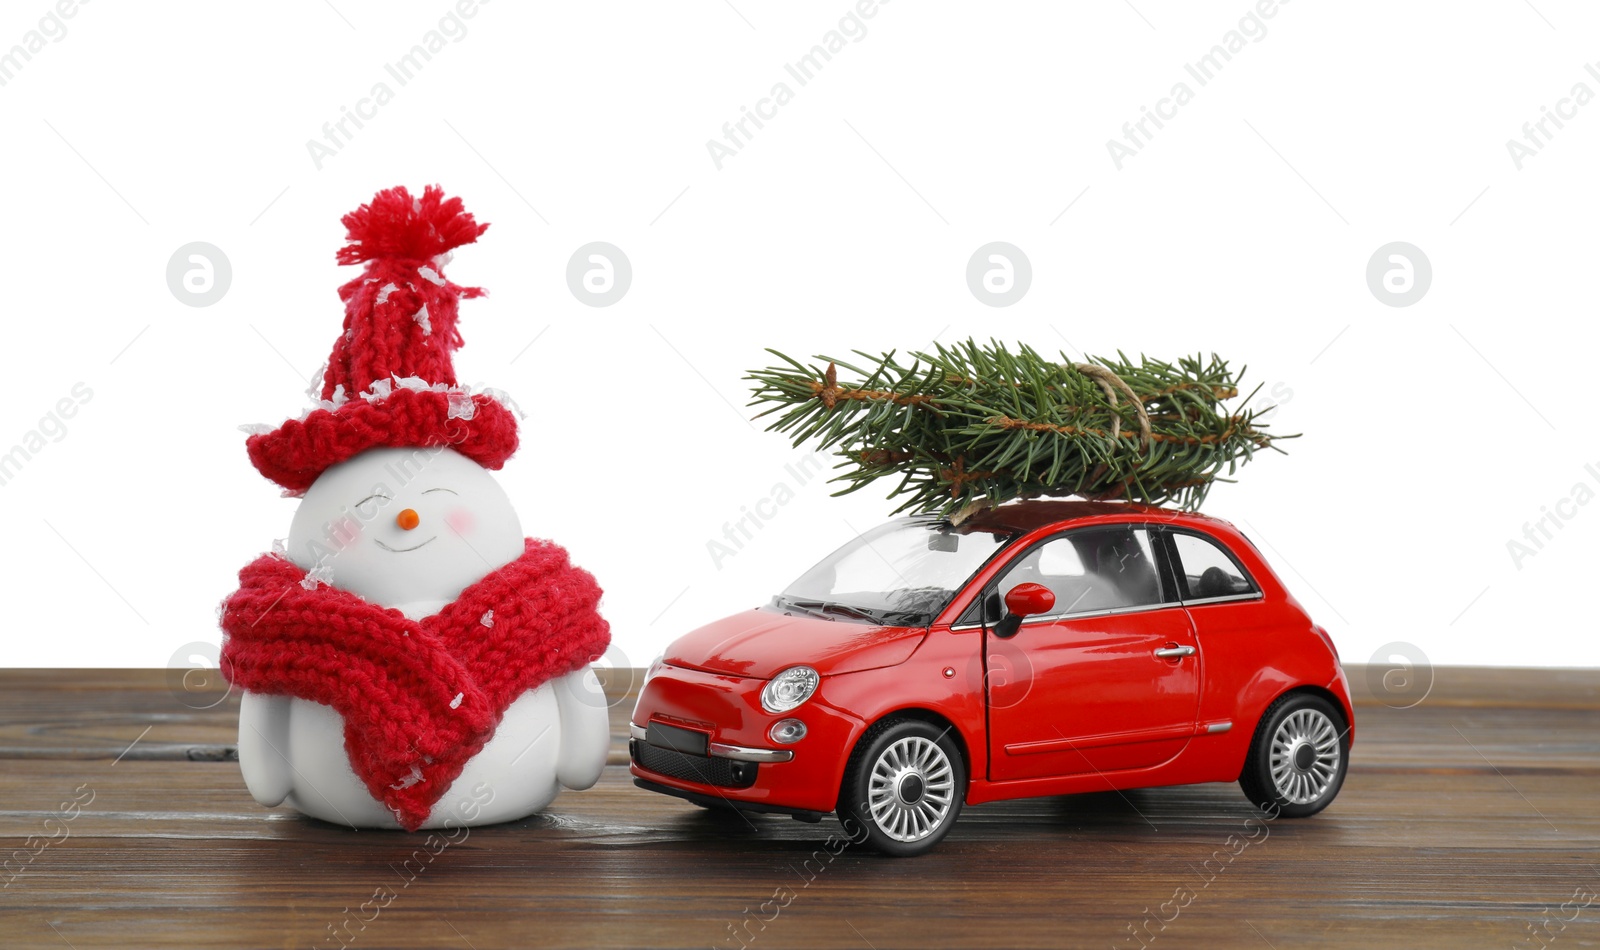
x=409, y=659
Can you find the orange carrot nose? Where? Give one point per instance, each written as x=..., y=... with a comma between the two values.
x=407, y=519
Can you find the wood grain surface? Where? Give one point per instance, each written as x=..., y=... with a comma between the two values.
x=1469, y=819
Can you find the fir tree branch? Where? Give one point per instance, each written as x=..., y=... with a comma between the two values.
x=970, y=424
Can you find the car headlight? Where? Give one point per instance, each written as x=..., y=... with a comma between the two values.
x=789, y=689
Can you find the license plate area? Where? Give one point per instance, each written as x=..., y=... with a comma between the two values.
x=677, y=739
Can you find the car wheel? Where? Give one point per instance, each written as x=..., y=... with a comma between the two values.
x=903, y=787
x=1298, y=757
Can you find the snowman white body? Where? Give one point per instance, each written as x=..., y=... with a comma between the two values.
x=291, y=750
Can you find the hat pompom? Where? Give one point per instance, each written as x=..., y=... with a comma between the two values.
x=394, y=225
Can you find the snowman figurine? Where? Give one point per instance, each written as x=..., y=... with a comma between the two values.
x=409, y=659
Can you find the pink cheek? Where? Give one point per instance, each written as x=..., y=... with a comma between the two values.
x=460, y=520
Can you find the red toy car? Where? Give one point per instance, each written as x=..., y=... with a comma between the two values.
x=1041, y=648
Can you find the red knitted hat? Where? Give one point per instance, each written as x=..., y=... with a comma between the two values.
x=389, y=380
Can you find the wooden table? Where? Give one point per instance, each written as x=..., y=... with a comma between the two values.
x=1465, y=821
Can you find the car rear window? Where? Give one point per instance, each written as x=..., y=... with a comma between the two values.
x=1208, y=571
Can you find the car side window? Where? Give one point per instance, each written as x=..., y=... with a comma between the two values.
x=1206, y=570
x=1109, y=567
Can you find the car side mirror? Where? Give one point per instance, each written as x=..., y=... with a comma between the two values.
x=1024, y=600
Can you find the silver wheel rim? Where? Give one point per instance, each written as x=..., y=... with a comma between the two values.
x=1305, y=756
x=911, y=789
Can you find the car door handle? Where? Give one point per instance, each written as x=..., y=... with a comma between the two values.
x=1174, y=652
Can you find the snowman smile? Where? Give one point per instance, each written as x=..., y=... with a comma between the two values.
x=402, y=550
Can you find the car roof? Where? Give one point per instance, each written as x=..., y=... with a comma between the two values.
x=1025, y=516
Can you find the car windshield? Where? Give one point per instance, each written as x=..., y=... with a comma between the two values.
x=902, y=573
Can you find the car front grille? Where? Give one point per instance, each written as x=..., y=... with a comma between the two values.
x=706, y=770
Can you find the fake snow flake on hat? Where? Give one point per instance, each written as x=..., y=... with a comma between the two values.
x=389, y=380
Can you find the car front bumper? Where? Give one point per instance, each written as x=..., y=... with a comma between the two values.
x=741, y=766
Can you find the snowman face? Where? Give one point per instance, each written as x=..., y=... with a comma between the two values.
x=405, y=526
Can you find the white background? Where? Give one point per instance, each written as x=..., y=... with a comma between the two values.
x=1432, y=433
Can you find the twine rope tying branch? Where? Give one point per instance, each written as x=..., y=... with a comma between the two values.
x=1107, y=379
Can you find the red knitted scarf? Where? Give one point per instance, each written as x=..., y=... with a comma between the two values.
x=419, y=698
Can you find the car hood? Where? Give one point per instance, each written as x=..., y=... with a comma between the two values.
x=759, y=643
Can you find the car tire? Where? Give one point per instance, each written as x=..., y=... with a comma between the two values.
x=903, y=787
x=1298, y=758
